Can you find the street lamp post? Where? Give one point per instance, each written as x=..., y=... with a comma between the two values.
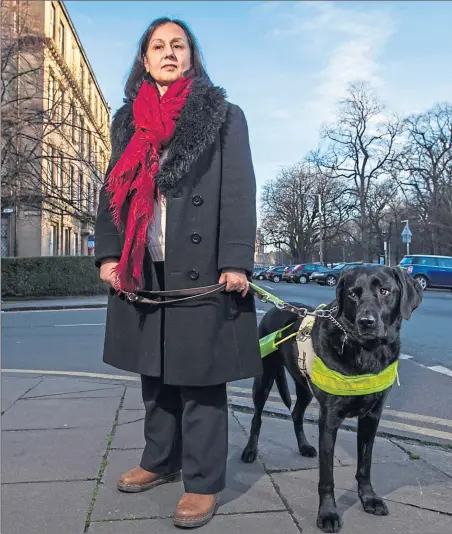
x=319, y=197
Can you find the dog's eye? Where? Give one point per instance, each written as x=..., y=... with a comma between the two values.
x=352, y=295
x=384, y=291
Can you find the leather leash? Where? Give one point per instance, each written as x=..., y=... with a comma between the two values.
x=176, y=295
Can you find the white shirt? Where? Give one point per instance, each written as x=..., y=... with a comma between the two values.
x=157, y=228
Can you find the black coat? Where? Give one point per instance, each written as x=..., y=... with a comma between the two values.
x=209, y=184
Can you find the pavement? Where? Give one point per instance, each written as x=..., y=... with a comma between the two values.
x=65, y=441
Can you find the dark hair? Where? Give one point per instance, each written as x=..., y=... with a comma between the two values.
x=138, y=73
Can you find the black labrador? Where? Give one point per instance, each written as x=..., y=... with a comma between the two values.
x=371, y=303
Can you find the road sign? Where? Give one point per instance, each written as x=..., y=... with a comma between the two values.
x=406, y=237
x=406, y=232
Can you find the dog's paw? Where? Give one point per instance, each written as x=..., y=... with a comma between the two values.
x=374, y=505
x=308, y=451
x=329, y=521
x=249, y=455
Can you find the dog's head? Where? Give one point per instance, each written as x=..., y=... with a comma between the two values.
x=372, y=299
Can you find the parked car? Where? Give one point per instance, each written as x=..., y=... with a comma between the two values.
x=429, y=271
x=330, y=277
x=274, y=274
x=301, y=274
x=259, y=274
x=287, y=272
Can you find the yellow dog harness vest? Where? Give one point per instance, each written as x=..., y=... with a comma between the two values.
x=318, y=373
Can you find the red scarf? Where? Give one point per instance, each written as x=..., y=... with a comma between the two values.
x=155, y=121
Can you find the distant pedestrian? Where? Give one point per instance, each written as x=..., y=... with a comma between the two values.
x=178, y=211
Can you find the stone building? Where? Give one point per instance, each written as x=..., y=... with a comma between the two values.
x=55, y=136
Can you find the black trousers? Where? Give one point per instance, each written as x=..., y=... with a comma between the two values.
x=186, y=428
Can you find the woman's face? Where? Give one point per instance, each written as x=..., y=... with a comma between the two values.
x=168, y=55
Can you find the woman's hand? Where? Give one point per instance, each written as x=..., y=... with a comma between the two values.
x=235, y=280
x=108, y=272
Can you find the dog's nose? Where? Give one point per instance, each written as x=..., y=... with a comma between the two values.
x=367, y=321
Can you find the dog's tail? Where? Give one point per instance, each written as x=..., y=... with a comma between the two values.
x=283, y=386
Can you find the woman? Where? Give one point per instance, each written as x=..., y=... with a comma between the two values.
x=177, y=211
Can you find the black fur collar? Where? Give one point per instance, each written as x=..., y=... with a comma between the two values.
x=201, y=118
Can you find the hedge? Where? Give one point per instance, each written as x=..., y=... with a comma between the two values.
x=50, y=277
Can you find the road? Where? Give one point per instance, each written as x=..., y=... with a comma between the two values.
x=72, y=341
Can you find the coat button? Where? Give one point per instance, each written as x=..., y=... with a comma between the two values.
x=194, y=275
x=197, y=200
x=196, y=238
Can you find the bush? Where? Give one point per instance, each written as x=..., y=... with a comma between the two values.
x=51, y=277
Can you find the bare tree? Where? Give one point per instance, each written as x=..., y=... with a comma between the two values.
x=426, y=173
x=361, y=149
x=290, y=210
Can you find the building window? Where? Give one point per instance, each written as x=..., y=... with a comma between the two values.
x=73, y=124
x=89, y=199
x=95, y=199
x=51, y=91
x=80, y=190
x=52, y=21
x=60, y=164
x=67, y=241
x=53, y=173
x=49, y=174
x=54, y=240
x=82, y=137
x=95, y=154
x=61, y=106
x=76, y=245
x=90, y=154
x=71, y=183
x=61, y=40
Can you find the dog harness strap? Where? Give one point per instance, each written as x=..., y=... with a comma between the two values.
x=269, y=344
x=338, y=384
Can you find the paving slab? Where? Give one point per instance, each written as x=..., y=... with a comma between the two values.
x=14, y=387
x=268, y=523
x=416, y=484
x=300, y=491
x=51, y=508
x=130, y=435
x=47, y=455
x=249, y=488
x=127, y=417
x=74, y=388
x=133, y=399
x=58, y=413
x=435, y=456
x=279, y=451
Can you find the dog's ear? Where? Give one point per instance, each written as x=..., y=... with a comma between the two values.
x=340, y=295
x=411, y=292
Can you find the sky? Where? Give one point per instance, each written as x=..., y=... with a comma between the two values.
x=286, y=64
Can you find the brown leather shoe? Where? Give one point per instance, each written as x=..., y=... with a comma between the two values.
x=195, y=510
x=138, y=479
